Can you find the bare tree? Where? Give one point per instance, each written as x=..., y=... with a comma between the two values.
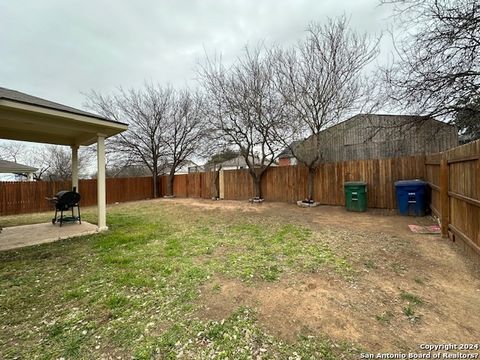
x=438, y=68
x=147, y=112
x=321, y=80
x=166, y=127
x=126, y=170
x=20, y=153
x=11, y=151
x=467, y=120
x=56, y=162
x=245, y=109
x=53, y=162
x=186, y=132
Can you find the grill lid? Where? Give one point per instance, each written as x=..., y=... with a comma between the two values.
x=67, y=197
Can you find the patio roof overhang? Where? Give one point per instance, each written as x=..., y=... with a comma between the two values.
x=28, y=122
x=28, y=118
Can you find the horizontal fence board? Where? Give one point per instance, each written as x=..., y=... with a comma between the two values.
x=464, y=190
x=461, y=213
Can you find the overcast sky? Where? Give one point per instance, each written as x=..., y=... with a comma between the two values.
x=59, y=49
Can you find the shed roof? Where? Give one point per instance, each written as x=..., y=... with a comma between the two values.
x=8, y=167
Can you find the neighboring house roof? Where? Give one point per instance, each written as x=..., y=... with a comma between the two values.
x=130, y=171
x=236, y=161
x=185, y=166
x=23, y=98
x=189, y=163
x=15, y=168
x=287, y=152
x=182, y=169
x=239, y=161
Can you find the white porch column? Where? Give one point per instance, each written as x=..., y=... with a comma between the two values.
x=75, y=166
x=101, y=196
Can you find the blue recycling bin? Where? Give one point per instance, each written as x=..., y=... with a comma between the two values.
x=411, y=197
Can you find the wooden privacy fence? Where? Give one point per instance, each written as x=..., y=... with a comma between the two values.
x=454, y=177
x=289, y=183
x=194, y=185
x=27, y=197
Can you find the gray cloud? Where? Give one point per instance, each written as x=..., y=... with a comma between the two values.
x=57, y=49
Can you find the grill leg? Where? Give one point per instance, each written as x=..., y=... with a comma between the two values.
x=61, y=218
x=54, y=220
x=79, y=217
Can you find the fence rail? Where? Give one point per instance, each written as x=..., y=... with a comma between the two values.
x=454, y=177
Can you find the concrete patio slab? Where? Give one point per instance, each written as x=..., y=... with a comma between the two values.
x=28, y=235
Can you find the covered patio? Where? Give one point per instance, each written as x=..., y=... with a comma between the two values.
x=27, y=235
x=28, y=118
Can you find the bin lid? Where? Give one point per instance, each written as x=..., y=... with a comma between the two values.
x=414, y=182
x=355, y=183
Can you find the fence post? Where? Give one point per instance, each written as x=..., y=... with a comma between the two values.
x=444, y=200
x=221, y=185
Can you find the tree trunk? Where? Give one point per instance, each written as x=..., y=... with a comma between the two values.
x=257, y=183
x=155, y=184
x=155, y=179
x=310, y=178
x=171, y=179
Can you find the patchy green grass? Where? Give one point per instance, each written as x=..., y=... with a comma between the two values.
x=385, y=317
x=237, y=337
x=411, y=298
x=413, y=301
x=131, y=292
x=419, y=280
x=370, y=264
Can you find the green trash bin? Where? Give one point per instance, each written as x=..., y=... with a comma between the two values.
x=356, y=195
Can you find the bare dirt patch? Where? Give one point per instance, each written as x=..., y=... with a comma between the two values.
x=379, y=219
x=408, y=288
x=315, y=304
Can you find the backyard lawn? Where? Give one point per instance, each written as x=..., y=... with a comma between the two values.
x=198, y=279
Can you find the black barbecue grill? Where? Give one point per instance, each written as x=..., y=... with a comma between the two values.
x=64, y=201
